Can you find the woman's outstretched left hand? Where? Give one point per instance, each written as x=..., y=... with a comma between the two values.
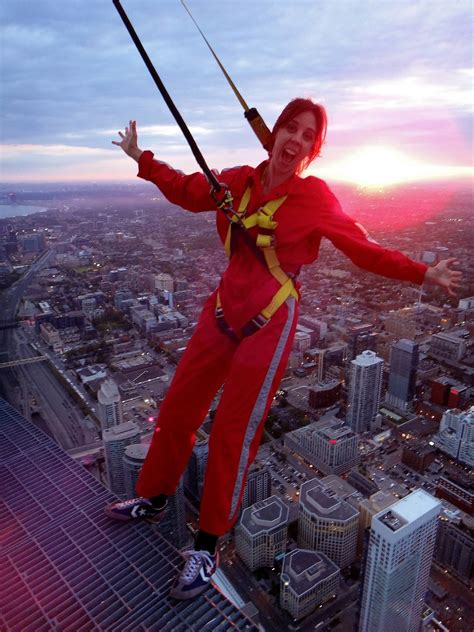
x=441, y=274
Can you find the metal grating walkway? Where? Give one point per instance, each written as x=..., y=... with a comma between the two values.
x=65, y=567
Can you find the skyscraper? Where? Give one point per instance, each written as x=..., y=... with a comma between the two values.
x=401, y=544
x=116, y=440
x=109, y=405
x=364, y=391
x=402, y=380
x=327, y=523
x=368, y=508
x=261, y=532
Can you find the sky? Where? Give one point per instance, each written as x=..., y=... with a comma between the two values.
x=396, y=79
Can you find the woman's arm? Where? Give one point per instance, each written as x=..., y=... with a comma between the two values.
x=192, y=192
x=353, y=240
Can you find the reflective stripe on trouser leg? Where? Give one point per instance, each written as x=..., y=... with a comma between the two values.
x=257, y=368
x=200, y=374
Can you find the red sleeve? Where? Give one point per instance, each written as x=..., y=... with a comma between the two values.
x=353, y=240
x=191, y=192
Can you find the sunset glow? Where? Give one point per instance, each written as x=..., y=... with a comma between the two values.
x=375, y=166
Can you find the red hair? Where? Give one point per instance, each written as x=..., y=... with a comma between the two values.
x=295, y=107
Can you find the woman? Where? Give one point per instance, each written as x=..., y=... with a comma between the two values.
x=244, y=335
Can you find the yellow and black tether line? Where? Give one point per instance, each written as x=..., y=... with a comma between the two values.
x=251, y=114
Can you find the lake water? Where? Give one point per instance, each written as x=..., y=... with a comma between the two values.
x=13, y=210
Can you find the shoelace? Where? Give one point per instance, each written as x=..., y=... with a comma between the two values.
x=133, y=501
x=195, y=560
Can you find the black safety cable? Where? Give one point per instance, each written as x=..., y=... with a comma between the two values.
x=169, y=101
x=225, y=202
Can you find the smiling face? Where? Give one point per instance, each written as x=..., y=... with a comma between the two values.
x=294, y=142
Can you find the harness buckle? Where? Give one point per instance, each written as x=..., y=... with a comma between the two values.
x=255, y=324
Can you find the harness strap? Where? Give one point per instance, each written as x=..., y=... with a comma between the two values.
x=263, y=218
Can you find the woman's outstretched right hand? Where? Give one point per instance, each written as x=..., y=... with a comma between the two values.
x=129, y=142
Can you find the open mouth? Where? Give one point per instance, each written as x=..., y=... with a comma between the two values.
x=288, y=155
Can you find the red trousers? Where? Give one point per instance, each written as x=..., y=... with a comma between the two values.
x=250, y=370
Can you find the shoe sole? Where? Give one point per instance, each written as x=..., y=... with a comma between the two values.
x=183, y=596
x=176, y=593
x=121, y=518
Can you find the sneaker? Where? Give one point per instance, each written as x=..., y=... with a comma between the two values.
x=135, y=509
x=196, y=574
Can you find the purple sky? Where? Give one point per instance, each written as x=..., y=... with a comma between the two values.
x=395, y=77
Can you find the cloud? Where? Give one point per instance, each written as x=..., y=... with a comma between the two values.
x=69, y=151
x=70, y=72
x=164, y=130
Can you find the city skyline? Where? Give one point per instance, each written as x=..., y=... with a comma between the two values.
x=96, y=288
x=396, y=80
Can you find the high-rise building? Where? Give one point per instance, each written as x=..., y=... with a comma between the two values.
x=109, y=410
x=364, y=391
x=456, y=435
x=261, y=532
x=329, y=444
x=173, y=525
x=133, y=459
x=399, y=556
x=258, y=486
x=65, y=566
x=116, y=440
x=361, y=337
x=404, y=358
x=308, y=579
x=327, y=523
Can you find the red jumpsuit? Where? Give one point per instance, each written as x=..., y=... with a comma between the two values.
x=251, y=368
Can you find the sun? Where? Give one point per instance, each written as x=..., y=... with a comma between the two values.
x=375, y=166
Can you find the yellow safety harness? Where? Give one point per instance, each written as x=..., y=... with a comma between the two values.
x=263, y=218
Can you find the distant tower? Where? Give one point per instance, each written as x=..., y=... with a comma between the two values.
x=364, y=391
x=258, y=486
x=402, y=380
x=116, y=440
x=261, y=532
x=110, y=409
x=326, y=523
x=401, y=544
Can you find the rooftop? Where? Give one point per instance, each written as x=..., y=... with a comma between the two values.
x=321, y=501
x=265, y=516
x=304, y=569
x=409, y=509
